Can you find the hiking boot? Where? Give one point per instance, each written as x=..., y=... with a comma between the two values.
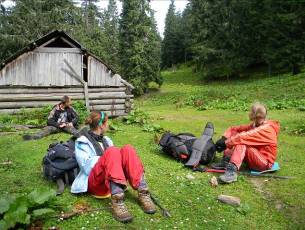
x=27, y=137
x=119, y=209
x=146, y=202
x=221, y=164
x=230, y=174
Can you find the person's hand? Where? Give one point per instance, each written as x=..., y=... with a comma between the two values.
x=62, y=125
x=221, y=144
x=70, y=124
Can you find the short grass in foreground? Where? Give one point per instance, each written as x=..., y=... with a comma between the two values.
x=279, y=205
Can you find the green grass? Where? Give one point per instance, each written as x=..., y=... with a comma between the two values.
x=193, y=203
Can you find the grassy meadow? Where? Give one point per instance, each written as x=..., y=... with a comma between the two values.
x=184, y=104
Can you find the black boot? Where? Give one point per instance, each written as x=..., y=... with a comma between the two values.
x=230, y=174
x=27, y=137
x=221, y=164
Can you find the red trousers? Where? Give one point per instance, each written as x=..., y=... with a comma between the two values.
x=118, y=165
x=250, y=155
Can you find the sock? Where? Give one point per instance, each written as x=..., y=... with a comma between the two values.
x=116, y=188
x=143, y=184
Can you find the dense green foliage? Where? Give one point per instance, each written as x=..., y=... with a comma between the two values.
x=224, y=38
x=140, y=45
x=171, y=47
x=19, y=210
x=131, y=44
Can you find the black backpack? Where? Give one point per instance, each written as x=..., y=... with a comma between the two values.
x=60, y=164
x=177, y=145
x=187, y=148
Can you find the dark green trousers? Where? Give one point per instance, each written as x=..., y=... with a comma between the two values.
x=46, y=131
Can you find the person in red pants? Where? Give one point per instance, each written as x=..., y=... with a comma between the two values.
x=255, y=144
x=107, y=171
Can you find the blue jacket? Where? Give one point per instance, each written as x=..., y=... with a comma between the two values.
x=86, y=158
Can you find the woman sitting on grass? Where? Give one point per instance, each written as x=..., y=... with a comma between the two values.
x=104, y=175
x=255, y=144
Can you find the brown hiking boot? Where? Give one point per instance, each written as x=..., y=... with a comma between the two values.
x=146, y=202
x=119, y=209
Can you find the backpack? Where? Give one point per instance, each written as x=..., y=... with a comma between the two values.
x=60, y=160
x=177, y=145
x=60, y=164
x=187, y=148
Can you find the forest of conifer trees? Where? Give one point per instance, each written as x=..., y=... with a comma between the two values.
x=129, y=42
x=222, y=39
x=225, y=38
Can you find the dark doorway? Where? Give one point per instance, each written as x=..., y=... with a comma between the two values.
x=85, y=68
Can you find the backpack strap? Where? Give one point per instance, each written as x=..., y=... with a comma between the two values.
x=96, y=145
x=60, y=186
x=185, y=134
x=200, y=145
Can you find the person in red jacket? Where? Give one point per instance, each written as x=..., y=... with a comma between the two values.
x=255, y=144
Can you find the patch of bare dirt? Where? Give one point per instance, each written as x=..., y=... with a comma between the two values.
x=259, y=185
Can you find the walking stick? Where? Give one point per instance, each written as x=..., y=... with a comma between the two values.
x=208, y=170
x=165, y=212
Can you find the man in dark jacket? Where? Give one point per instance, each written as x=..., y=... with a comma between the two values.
x=62, y=118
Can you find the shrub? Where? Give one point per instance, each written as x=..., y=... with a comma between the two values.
x=38, y=116
x=299, y=130
x=143, y=119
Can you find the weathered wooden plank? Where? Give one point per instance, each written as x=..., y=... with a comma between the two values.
x=107, y=95
x=126, y=83
x=12, y=90
x=99, y=74
x=42, y=94
x=57, y=50
x=108, y=107
x=114, y=113
x=108, y=89
x=86, y=95
x=26, y=104
x=39, y=97
x=107, y=102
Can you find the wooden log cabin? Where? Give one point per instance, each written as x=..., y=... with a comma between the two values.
x=57, y=65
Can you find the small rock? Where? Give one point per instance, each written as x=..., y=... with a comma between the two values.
x=190, y=177
x=231, y=200
x=214, y=182
x=278, y=206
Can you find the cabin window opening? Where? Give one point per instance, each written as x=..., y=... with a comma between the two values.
x=85, y=68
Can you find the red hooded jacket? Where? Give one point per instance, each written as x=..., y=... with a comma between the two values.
x=263, y=138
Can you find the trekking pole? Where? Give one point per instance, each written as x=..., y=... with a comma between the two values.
x=266, y=175
x=165, y=212
x=208, y=170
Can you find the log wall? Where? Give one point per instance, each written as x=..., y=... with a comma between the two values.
x=116, y=101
